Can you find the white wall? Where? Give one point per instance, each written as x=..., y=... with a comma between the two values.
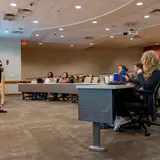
x=10, y=49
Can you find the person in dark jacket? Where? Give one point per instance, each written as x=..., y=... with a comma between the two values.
x=137, y=69
x=148, y=81
x=1, y=70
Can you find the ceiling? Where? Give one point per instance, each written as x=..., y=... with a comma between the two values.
x=118, y=15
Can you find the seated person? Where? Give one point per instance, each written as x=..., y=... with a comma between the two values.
x=48, y=80
x=123, y=71
x=63, y=79
x=37, y=95
x=137, y=69
x=148, y=81
x=76, y=79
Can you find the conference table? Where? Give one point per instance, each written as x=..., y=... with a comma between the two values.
x=96, y=105
x=63, y=88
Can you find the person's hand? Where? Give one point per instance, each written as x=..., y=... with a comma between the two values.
x=126, y=77
x=139, y=71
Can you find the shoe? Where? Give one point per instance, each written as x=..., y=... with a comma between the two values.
x=119, y=122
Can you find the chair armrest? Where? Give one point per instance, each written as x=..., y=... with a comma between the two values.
x=145, y=92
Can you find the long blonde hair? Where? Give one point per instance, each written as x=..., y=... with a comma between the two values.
x=150, y=61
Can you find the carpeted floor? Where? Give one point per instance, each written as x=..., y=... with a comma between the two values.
x=35, y=130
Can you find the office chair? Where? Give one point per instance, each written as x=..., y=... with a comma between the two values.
x=95, y=80
x=140, y=112
x=158, y=103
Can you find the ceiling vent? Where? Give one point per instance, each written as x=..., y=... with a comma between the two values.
x=130, y=24
x=88, y=38
x=17, y=32
x=9, y=17
x=21, y=29
x=155, y=12
x=24, y=12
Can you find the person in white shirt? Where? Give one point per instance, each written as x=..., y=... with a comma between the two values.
x=48, y=80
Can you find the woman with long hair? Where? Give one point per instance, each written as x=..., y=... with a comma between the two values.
x=64, y=78
x=151, y=68
x=148, y=81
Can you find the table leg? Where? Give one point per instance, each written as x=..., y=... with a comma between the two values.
x=23, y=96
x=72, y=100
x=96, y=139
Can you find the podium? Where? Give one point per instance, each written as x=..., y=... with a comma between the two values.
x=96, y=104
x=2, y=88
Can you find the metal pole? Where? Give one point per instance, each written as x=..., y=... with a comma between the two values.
x=96, y=138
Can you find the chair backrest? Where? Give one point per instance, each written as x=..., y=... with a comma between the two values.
x=102, y=79
x=34, y=82
x=153, y=108
x=88, y=80
x=152, y=102
x=95, y=80
x=156, y=93
x=39, y=80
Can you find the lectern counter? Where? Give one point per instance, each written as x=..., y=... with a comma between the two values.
x=96, y=103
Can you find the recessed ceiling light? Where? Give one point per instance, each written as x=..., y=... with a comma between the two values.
x=107, y=29
x=13, y=4
x=78, y=7
x=139, y=3
x=111, y=36
x=40, y=43
x=35, y=21
x=71, y=45
x=157, y=43
x=37, y=35
x=91, y=43
x=131, y=39
x=6, y=31
x=147, y=16
x=94, y=22
x=61, y=36
x=61, y=29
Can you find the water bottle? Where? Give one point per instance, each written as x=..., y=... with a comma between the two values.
x=115, y=77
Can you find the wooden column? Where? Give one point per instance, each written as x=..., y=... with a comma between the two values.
x=2, y=86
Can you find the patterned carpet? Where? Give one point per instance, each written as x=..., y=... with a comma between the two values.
x=36, y=130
